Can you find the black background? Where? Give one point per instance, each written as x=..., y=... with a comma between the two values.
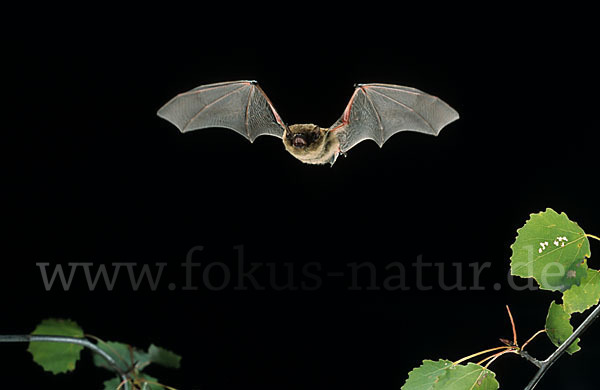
x=93, y=175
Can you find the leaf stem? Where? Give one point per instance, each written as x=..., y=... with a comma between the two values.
x=514, y=329
x=27, y=338
x=592, y=236
x=546, y=364
x=479, y=353
x=495, y=356
x=532, y=337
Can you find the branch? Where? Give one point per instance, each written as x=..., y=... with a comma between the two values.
x=546, y=364
x=530, y=358
x=69, y=340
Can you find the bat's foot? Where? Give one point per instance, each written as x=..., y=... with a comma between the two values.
x=335, y=156
x=332, y=161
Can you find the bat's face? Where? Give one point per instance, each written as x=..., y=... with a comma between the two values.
x=303, y=137
x=310, y=143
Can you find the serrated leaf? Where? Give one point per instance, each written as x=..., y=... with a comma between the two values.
x=163, y=357
x=559, y=328
x=471, y=376
x=56, y=357
x=551, y=249
x=582, y=297
x=426, y=375
x=125, y=355
x=442, y=375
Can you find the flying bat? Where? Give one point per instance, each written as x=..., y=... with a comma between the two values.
x=375, y=111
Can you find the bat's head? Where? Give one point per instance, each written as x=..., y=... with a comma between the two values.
x=303, y=137
x=309, y=143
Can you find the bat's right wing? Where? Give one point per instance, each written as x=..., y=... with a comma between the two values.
x=238, y=105
x=378, y=111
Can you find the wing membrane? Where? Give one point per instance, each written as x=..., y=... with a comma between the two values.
x=378, y=111
x=238, y=105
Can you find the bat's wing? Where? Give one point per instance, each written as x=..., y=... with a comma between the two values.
x=238, y=105
x=378, y=111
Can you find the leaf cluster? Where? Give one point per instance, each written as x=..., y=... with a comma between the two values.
x=57, y=357
x=553, y=250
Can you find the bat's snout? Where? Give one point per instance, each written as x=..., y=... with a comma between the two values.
x=299, y=141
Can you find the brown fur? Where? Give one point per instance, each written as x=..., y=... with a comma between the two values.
x=321, y=151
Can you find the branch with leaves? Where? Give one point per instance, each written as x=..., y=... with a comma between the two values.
x=56, y=344
x=554, y=251
x=549, y=248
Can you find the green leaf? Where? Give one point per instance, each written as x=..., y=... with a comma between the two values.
x=113, y=384
x=125, y=355
x=442, y=375
x=551, y=249
x=425, y=376
x=149, y=386
x=559, y=328
x=163, y=357
x=52, y=356
x=471, y=376
x=582, y=297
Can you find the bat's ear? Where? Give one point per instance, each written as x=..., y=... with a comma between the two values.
x=287, y=132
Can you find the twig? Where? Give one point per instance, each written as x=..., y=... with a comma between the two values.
x=69, y=340
x=546, y=364
x=530, y=358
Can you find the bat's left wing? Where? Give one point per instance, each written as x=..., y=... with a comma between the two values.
x=378, y=111
x=241, y=106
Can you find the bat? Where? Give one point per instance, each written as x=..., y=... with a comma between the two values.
x=375, y=112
